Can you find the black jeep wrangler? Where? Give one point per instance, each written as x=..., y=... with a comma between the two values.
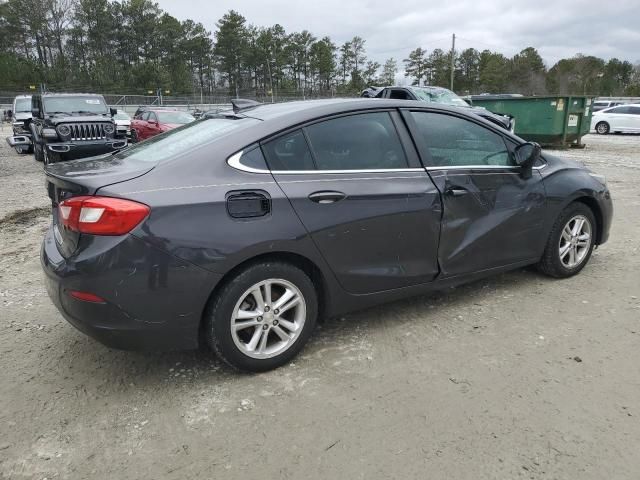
x=67, y=126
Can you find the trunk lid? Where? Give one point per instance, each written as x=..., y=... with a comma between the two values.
x=85, y=177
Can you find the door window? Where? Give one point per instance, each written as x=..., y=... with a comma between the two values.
x=288, y=152
x=619, y=110
x=367, y=141
x=399, y=94
x=152, y=117
x=454, y=141
x=634, y=110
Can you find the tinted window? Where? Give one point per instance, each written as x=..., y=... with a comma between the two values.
x=289, y=152
x=634, y=110
x=454, y=141
x=399, y=95
x=357, y=142
x=618, y=110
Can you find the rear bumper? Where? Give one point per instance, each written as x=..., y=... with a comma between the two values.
x=86, y=149
x=153, y=301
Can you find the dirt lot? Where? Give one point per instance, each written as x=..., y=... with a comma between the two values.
x=518, y=376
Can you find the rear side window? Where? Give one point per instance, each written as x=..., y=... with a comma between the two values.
x=288, y=152
x=365, y=141
x=454, y=141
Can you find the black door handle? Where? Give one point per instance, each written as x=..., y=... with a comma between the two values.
x=456, y=192
x=326, y=197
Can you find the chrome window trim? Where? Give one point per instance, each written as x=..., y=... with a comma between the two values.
x=234, y=162
x=338, y=172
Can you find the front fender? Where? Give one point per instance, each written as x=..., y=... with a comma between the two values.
x=564, y=186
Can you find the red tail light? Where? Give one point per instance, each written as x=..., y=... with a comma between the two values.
x=101, y=215
x=86, y=296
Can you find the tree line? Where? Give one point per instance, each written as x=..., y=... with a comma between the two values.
x=134, y=47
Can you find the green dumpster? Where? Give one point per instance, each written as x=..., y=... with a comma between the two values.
x=551, y=121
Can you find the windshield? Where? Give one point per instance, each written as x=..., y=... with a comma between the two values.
x=184, y=139
x=75, y=105
x=23, y=105
x=175, y=117
x=121, y=116
x=439, y=95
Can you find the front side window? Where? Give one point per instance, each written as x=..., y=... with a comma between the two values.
x=365, y=141
x=454, y=141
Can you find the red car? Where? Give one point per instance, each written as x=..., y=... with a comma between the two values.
x=157, y=120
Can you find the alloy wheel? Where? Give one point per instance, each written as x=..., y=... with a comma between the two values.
x=602, y=128
x=575, y=241
x=268, y=318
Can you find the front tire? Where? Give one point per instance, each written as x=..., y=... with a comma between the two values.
x=602, y=128
x=262, y=317
x=570, y=243
x=38, y=153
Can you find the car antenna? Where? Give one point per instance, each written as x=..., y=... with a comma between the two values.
x=241, y=104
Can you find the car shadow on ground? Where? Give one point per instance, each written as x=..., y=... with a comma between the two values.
x=88, y=358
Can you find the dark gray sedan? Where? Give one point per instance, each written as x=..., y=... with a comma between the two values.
x=243, y=228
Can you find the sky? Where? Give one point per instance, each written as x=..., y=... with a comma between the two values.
x=557, y=28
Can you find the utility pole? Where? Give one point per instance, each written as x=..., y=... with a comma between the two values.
x=453, y=59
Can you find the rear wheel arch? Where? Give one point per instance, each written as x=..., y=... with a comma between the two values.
x=309, y=267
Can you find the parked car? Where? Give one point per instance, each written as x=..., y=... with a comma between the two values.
x=602, y=104
x=21, y=118
x=68, y=126
x=622, y=119
x=444, y=97
x=243, y=228
x=123, y=123
x=151, y=122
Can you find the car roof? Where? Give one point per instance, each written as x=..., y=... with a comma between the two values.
x=309, y=109
x=49, y=94
x=622, y=105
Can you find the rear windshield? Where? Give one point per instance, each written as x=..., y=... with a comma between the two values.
x=75, y=105
x=184, y=139
x=175, y=117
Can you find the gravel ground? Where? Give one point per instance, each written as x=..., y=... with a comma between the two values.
x=517, y=376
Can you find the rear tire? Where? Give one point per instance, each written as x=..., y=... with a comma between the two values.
x=262, y=317
x=602, y=128
x=570, y=242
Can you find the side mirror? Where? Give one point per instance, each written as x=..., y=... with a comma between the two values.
x=35, y=112
x=526, y=155
x=113, y=111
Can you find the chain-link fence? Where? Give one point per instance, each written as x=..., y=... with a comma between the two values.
x=204, y=102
